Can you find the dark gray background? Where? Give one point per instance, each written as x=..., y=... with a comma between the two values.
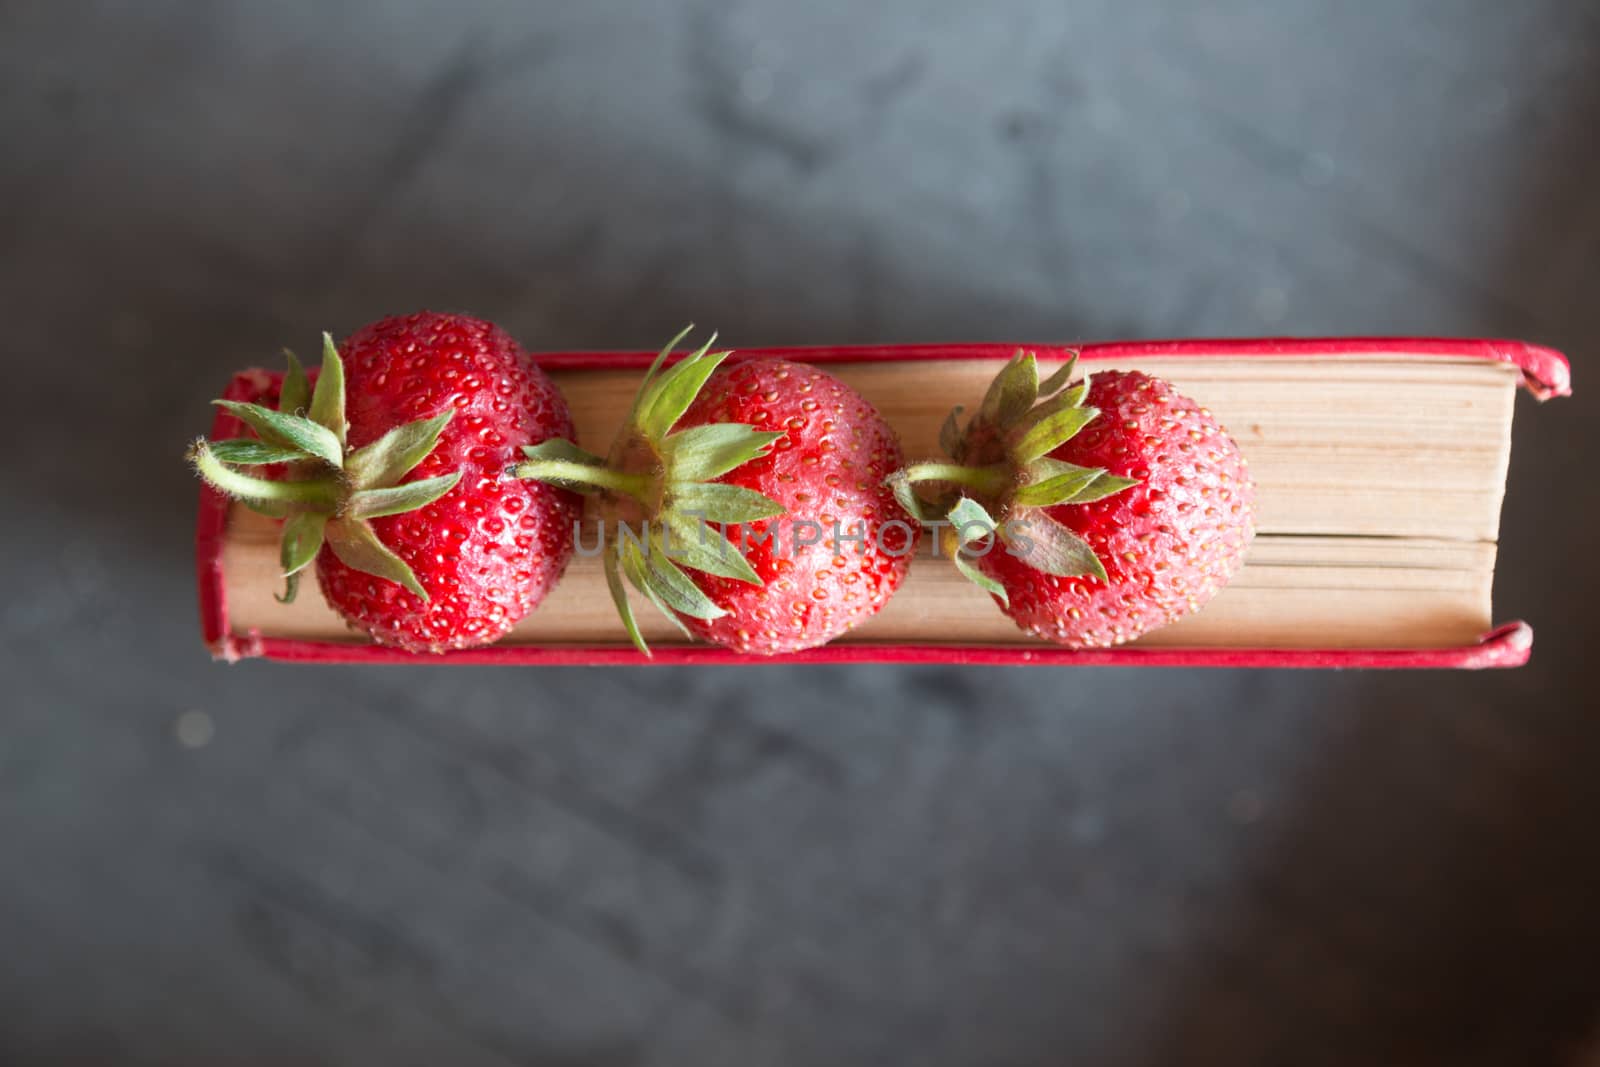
x=784, y=865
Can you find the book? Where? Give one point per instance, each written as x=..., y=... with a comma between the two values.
x=1380, y=467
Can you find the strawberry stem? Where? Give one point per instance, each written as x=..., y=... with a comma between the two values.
x=982, y=479
x=671, y=480
x=1021, y=422
x=322, y=492
x=352, y=484
x=573, y=474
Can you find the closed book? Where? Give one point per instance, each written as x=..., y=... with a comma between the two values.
x=1380, y=467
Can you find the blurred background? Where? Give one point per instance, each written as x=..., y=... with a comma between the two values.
x=780, y=865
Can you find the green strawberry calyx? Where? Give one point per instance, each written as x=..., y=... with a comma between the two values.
x=330, y=491
x=1001, y=477
x=656, y=494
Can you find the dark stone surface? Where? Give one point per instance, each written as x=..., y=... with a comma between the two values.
x=779, y=865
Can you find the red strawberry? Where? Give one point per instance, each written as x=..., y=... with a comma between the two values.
x=789, y=462
x=1119, y=506
x=828, y=469
x=420, y=539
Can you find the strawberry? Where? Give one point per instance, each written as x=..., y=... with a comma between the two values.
x=827, y=472
x=1092, y=513
x=419, y=539
x=789, y=464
